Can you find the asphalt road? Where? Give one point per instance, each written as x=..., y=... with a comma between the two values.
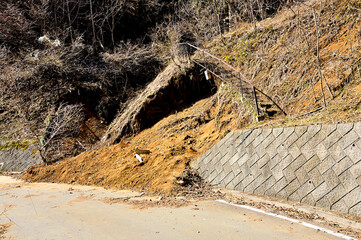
x=59, y=211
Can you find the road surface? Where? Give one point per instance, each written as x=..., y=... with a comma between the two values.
x=40, y=211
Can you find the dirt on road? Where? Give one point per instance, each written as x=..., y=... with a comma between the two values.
x=58, y=211
x=173, y=143
x=282, y=72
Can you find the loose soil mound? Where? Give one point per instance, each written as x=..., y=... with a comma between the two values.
x=175, y=89
x=174, y=142
x=278, y=55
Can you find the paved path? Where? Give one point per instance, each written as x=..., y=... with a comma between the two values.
x=59, y=211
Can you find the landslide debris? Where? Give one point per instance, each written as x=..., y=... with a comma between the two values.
x=174, y=89
x=174, y=142
x=279, y=56
x=38, y=85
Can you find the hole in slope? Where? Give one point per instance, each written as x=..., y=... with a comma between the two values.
x=178, y=95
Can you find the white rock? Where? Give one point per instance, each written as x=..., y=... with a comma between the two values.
x=43, y=39
x=56, y=43
x=138, y=157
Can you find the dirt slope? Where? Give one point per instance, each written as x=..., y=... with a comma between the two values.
x=174, y=142
x=174, y=89
x=280, y=57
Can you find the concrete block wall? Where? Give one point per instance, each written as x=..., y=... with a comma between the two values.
x=319, y=165
x=18, y=158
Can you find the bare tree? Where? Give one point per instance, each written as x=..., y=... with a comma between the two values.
x=62, y=124
x=130, y=57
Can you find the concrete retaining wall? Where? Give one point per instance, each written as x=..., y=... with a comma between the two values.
x=318, y=165
x=18, y=158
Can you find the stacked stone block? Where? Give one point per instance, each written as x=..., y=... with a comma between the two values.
x=18, y=159
x=319, y=165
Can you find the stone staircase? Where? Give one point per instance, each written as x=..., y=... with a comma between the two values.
x=263, y=104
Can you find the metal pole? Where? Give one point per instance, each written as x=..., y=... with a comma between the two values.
x=188, y=54
x=204, y=59
x=255, y=100
x=240, y=80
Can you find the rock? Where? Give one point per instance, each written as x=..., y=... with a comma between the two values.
x=139, y=157
x=141, y=151
x=181, y=182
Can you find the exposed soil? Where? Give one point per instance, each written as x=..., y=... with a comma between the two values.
x=4, y=227
x=173, y=90
x=149, y=203
x=278, y=57
x=174, y=142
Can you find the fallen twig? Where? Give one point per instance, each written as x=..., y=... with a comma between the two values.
x=305, y=114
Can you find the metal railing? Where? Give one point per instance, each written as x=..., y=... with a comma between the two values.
x=245, y=87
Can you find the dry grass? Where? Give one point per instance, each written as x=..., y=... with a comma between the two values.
x=126, y=121
x=279, y=57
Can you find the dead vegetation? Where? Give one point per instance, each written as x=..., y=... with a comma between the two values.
x=174, y=142
x=61, y=125
x=306, y=58
x=35, y=85
x=279, y=55
x=98, y=55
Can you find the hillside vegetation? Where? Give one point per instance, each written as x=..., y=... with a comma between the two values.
x=73, y=65
x=306, y=56
x=81, y=76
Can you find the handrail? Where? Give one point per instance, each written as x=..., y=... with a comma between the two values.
x=215, y=74
x=269, y=98
x=239, y=73
x=212, y=56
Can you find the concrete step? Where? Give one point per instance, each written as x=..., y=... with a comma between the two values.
x=266, y=105
x=271, y=113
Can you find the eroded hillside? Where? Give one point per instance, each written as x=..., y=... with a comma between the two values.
x=306, y=57
x=174, y=142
